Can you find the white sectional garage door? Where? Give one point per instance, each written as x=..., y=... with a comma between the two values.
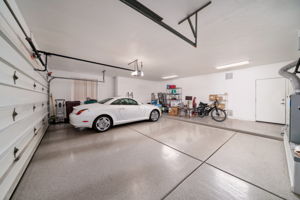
x=23, y=103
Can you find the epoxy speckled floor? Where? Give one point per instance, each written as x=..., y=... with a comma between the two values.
x=166, y=159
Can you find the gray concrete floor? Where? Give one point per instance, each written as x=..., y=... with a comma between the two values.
x=267, y=130
x=168, y=159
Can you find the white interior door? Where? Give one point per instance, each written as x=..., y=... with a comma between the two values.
x=271, y=100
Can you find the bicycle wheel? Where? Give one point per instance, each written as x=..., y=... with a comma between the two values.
x=201, y=114
x=218, y=115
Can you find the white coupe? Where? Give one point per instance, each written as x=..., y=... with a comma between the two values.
x=112, y=111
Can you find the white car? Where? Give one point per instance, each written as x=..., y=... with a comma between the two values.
x=112, y=111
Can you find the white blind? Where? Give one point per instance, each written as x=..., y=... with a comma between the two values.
x=84, y=89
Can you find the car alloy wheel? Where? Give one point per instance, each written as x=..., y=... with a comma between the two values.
x=103, y=123
x=154, y=116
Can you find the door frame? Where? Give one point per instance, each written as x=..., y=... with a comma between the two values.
x=285, y=94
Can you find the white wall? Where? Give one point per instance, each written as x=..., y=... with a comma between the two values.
x=240, y=89
x=141, y=89
x=113, y=86
x=64, y=89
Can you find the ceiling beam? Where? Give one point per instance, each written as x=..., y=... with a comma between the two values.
x=195, y=12
x=136, y=5
x=84, y=60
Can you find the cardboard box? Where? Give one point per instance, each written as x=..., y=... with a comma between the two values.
x=221, y=106
x=213, y=97
x=173, y=111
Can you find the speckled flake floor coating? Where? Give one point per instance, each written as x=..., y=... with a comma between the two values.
x=167, y=159
x=267, y=130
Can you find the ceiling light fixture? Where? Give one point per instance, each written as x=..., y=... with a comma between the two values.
x=169, y=77
x=138, y=70
x=233, y=65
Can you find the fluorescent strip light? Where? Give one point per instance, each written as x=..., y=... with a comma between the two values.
x=169, y=77
x=233, y=65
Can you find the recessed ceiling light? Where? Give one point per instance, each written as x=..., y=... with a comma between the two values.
x=169, y=77
x=233, y=65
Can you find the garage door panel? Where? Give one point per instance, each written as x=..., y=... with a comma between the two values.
x=15, y=150
x=8, y=182
x=14, y=131
x=23, y=91
x=14, y=77
x=23, y=111
x=13, y=31
x=12, y=56
x=15, y=96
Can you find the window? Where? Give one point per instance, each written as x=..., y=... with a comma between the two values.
x=124, y=102
x=118, y=102
x=84, y=89
x=131, y=102
x=103, y=101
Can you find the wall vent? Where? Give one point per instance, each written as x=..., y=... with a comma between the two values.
x=228, y=76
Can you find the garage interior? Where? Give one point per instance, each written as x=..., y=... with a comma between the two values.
x=222, y=77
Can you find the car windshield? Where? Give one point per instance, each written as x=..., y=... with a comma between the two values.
x=103, y=101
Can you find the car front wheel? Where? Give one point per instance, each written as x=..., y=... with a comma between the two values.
x=102, y=123
x=154, y=116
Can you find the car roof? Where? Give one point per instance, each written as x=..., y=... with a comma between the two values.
x=116, y=98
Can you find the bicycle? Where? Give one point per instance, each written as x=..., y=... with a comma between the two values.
x=216, y=113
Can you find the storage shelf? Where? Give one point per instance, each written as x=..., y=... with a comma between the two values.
x=174, y=97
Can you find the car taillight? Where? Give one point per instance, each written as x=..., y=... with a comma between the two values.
x=80, y=111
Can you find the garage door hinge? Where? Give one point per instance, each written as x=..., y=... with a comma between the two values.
x=15, y=77
x=34, y=85
x=33, y=108
x=42, y=104
x=14, y=114
x=15, y=154
x=42, y=89
x=34, y=131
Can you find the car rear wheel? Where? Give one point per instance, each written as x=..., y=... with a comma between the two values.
x=102, y=123
x=154, y=116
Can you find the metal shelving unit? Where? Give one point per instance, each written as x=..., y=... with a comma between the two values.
x=174, y=96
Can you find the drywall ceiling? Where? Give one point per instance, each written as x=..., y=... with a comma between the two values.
x=108, y=31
